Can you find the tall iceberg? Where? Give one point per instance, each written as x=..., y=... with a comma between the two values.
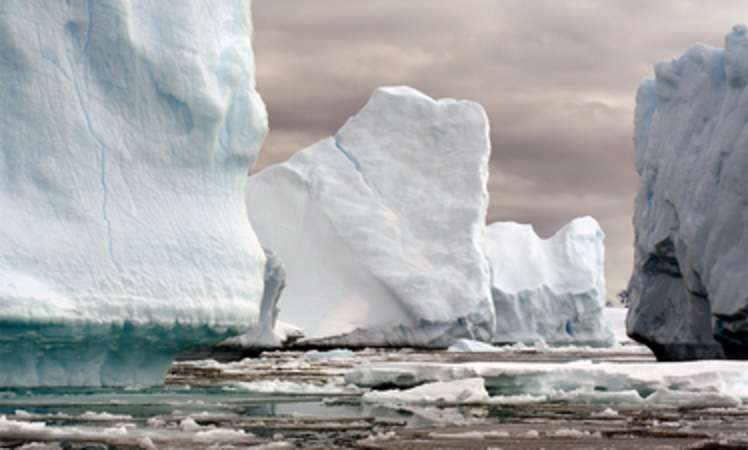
x=127, y=131
x=549, y=289
x=381, y=227
x=688, y=290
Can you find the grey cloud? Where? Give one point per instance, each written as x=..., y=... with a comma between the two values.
x=557, y=79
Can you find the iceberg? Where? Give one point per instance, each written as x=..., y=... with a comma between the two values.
x=381, y=227
x=688, y=288
x=127, y=132
x=550, y=290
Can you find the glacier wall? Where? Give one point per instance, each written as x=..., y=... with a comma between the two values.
x=688, y=289
x=381, y=227
x=127, y=131
x=549, y=289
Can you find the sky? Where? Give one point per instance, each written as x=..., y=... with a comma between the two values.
x=557, y=78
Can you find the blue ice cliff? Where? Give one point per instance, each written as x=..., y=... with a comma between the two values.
x=688, y=290
x=127, y=131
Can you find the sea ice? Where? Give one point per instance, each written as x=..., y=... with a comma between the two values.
x=688, y=289
x=282, y=387
x=127, y=132
x=470, y=346
x=717, y=383
x=550, y=290
x=461, y=392
x=381, y=226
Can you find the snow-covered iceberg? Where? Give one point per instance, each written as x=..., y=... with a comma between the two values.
x=381, y=226
x=688, y=290
x=548, y=289
x=127, y=132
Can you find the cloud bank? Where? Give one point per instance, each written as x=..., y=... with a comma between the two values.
x=557, y=79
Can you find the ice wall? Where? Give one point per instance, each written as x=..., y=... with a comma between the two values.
x=688, y=289
x=265, y=334
x=380, y=227
x=127, y=131
x=550, y=290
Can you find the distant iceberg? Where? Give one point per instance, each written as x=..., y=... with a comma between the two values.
x=127, y=132
x=550, y=290
x=381, y=226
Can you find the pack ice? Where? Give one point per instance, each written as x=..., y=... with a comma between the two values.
x=381, y=227
x=127, y=131
x=548, y=289
x=688, y=289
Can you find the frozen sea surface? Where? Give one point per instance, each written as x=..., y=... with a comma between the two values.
x=516, y=397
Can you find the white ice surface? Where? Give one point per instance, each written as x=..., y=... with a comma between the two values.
x=616, y=318
x=381, y=226
x=121, y=436
x=550, y=290
x=461, y=391
x=470, y=346
x=704, y=383
x=127, y=131
x=277, y=386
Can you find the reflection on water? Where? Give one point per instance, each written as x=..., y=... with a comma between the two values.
x=150, y=402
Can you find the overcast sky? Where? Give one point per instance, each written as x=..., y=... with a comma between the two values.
x=557, y=79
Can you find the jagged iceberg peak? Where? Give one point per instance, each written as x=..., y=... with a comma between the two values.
x=128, y=129
x=550, y=290
x=688, y=288
x=381, y=226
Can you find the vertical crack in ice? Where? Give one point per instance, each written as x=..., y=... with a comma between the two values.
x=89, y=13
x=89, y=126
x=345, y=153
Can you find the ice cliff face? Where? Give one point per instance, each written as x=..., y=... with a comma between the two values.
x=548, y=289
x=263, y=335
x=688, y=290
x=381, y=226
x=127, y=131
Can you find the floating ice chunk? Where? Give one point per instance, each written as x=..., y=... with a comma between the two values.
x=462, y=391
x=381, y=227
x=294, y=388
x=550, y=290
x=716, y=383
x=128, y=129
x=531, y=434
x=468, y=345
x=573, y=433
x=470, y=435
x=102, y=416
x=189, y=424
x=339, y=353
x=607, y=413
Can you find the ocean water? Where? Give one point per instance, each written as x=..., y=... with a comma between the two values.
x=305, y=400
